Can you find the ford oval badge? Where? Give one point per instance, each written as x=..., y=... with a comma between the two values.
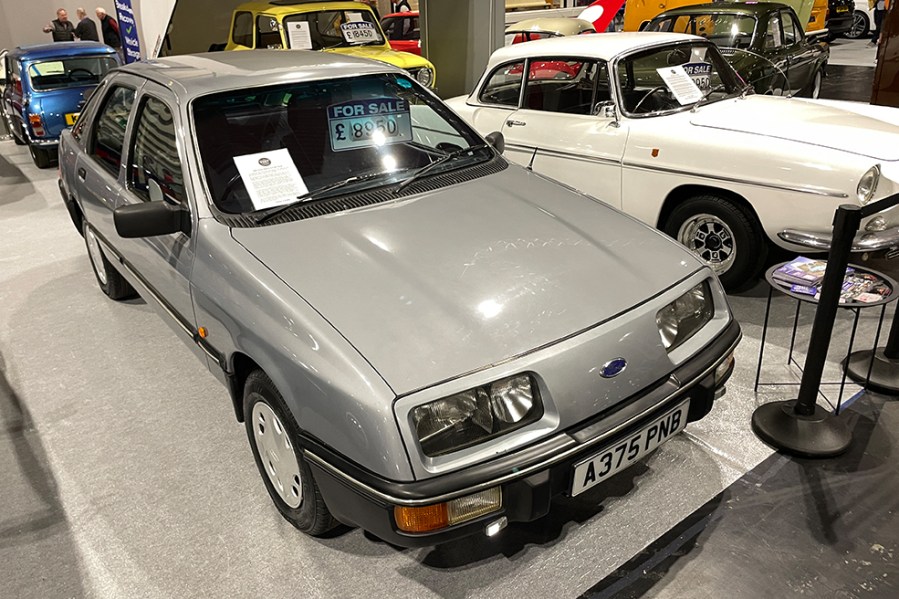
x=613, y=368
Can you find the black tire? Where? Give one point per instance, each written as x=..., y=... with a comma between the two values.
x=746, y=240
x=42, y=157
x=110, y=281
x=311, y=516
x=861, y=26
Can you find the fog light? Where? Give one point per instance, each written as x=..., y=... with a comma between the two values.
x=450, y=513
x=723, y=369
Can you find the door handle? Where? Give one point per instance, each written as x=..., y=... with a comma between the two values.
x=82, y=173
x=513, y=123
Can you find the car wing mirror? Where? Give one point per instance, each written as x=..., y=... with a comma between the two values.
x=151, y=219
x=497, y=140
x=605, y=110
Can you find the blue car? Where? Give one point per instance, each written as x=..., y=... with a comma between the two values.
x=45, y=87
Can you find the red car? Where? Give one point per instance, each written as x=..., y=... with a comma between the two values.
x=402, y=31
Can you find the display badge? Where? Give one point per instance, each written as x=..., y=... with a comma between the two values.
x=365, y=123
x=700, y=73
x=359, y=32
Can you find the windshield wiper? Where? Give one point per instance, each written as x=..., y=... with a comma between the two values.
x=315, y=194
x=431, y=166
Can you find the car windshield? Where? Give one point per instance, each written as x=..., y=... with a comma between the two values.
x=69, y=72
x=674, y=77
x=725, y=30
x=326, y=29
x=262, y=148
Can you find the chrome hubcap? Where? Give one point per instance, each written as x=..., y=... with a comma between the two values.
x=276, y=453
x=711, y=239
x=93, y=250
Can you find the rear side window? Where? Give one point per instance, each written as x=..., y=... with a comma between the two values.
x=504, y=85
x=155, y=152
x=109, y=128
x=243, y=29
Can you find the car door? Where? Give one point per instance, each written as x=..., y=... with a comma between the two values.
x=98, y=169
x=566, y=126
x=497, y=100
x=774, y=50
x=799, y=55
x=154, y=153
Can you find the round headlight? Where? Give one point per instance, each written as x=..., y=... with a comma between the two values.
x=424, y=76
x=867, y=186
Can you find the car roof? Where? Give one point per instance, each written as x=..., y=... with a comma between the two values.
x=59, y=50
x=192, y=75
x=560, y=25
x=730, y=8
x=285, y=7
x=602, y=46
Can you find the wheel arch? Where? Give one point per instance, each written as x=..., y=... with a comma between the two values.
x=241, y=367
x=684, y=192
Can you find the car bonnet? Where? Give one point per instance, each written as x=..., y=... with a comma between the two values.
x=803, y=121
x=454, y=280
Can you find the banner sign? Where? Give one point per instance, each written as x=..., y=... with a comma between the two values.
x=128, y=30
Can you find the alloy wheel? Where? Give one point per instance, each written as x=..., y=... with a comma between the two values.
x=711, y=239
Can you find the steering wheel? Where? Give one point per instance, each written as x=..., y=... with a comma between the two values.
x=90, y=74
x=651, y=92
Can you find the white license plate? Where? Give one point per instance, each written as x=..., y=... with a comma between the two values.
x=615, y=458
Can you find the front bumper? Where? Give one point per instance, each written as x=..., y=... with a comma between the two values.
x=866, y=241
x=530, y=477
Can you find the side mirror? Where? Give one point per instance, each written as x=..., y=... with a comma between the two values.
x=150, y=219
x=605, y=110
x=497, y=140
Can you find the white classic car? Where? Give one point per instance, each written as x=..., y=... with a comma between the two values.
x=661, y=127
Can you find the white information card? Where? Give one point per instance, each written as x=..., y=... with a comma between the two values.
x=271, y=178
x=681, y=84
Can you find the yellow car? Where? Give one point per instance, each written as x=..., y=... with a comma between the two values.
x=341, y=27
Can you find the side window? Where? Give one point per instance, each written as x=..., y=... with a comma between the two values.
x=78, y=130
x=504, y=85
x=243, y=29
x=154, y=155
x=561, y=85
x=109, y=128
x=268, y=33
x=789, y=29
x=772, y=35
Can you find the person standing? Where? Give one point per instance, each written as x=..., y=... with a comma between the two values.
x=110, y=29
x=880, y=11
x=86, y=30
x=61, y=27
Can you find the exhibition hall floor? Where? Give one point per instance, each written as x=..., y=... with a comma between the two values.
x=125, y=474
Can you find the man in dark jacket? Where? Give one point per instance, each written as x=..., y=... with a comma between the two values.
x=110, y=29
x=86, y=30
x=61, y=27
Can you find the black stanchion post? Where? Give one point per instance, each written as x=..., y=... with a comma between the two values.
x=878, y=368
x=801, y=426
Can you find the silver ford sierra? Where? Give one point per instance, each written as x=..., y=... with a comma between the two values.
x=422, y=339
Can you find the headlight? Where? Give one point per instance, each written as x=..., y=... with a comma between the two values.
x=471, y=417
x=682, y=318
x=424, y=76
x=867, y=186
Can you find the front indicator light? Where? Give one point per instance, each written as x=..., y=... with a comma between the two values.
x=443, y=515
x=867, y=185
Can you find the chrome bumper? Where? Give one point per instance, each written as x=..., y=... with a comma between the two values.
x=867, y=241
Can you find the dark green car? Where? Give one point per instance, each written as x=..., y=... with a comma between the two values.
x=765, y=42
